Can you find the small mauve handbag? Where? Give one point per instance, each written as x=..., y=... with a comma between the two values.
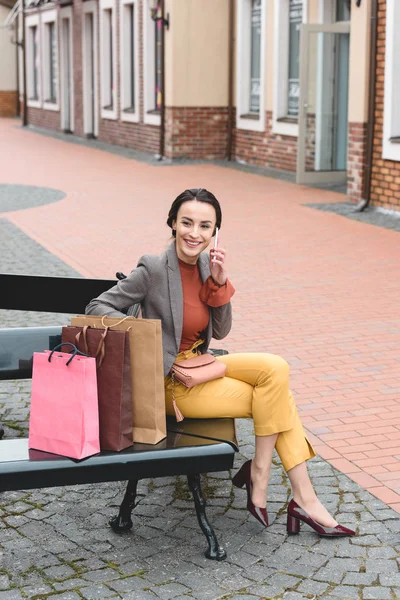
x=193, y=371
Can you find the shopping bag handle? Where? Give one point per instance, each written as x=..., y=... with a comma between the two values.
x=74, y=352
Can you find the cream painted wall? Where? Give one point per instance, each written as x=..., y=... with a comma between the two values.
x=359, y=62
x=197, y=53
x=8, y=80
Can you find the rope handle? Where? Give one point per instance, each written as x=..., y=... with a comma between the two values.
x=101, y=348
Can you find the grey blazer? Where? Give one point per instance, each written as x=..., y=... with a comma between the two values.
x=156, y=284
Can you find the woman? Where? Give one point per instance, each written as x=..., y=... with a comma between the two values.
x=190, y=292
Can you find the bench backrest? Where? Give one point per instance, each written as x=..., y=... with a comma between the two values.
x=50, y=294
x=44, y=294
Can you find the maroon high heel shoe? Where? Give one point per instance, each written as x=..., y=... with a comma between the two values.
x=242, y=477
x=295, y=514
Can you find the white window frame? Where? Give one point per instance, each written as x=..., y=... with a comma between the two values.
x=105, y=59
x=90, y=6
x=281, y=68
x=33, y=21
x=125, y=74
x=66, y=14
x=243, y=27
x=391, y=118
x=148, y=67
x=49, y=16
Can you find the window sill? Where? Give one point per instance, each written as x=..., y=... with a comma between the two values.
x=252, y=116
x=130, y=115
x=292, y=120
x=281, y=126
x=395, y=140
x=49, y=105
x=154, y=111
x=108, y=112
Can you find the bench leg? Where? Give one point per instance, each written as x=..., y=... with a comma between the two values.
x=1, y=431
x=123, y=521
x=215, y=551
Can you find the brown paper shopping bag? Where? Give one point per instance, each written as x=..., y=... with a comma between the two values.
x=147, y=372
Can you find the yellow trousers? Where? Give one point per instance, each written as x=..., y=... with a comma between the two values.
x=256, y=386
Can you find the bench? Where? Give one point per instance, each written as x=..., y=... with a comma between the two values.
x=192, y=447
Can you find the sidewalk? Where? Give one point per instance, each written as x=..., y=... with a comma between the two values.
x=318, y=288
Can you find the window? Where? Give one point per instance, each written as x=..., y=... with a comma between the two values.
x=34, y=66
x=295, y=20
x=255, y=57
x=343, y=10
x=152, y=66
x=108, y=60
x=289, y=15
x=391, y=119
x=129, y=61
x=33, y=61
x=50, y=60
x=250, y=61
x=51, y=66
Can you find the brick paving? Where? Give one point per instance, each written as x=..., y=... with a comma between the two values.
x=319, y=289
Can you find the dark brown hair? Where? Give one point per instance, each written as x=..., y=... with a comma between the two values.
x=200, y=194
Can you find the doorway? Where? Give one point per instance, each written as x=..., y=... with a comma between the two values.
x=323, y=104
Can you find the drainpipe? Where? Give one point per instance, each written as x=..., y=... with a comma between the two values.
x=230, y=81
x=162, y=115
x=364, y=203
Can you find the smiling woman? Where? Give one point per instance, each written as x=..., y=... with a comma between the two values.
x=188, y=290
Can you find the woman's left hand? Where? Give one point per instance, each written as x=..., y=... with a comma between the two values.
x=218, y=265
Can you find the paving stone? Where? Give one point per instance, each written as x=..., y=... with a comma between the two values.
x=140, y=595
x=381, y=566
x=390, y=580
x=4, y=582
x=69, y=584
x=101, y=575
x=11, y=595
x=315, y=588
x=346, y=592
x=59, y=572
x=377, y=593
x=359, y=578
x=97, y=592
x=128, y=584
x=169, y=590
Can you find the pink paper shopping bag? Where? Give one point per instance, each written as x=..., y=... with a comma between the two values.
x=64, y=416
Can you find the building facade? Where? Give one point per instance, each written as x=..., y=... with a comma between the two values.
x=280, y=83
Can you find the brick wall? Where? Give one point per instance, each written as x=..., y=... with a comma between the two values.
x=385, y=174
x=266, y=148
x=8, y=104
x=196, y=132
x=48, y=119
x=356, y=160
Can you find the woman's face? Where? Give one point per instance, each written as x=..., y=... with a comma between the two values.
x=194, y=226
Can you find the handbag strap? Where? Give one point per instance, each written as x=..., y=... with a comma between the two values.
x=178, y=415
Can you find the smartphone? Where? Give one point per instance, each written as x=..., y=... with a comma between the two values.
x=216, y=239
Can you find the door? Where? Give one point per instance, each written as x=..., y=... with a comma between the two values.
x=323, y=103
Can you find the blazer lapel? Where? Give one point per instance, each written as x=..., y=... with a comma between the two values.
x=175, y=292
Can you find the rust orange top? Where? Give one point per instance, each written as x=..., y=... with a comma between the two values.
x=198, y=297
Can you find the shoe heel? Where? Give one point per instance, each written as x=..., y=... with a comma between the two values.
x=239, y=479
x=293, y=525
